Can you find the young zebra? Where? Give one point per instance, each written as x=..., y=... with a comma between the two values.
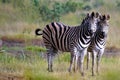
x=97, y=45
x=57, y=36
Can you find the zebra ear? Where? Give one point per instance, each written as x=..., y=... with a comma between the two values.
x=104, y=17
x=101, y=17
x=83, y=21
x=97, y=14
x=92, y=14
x=87, y=14
x=108, y=17
x=86, y=17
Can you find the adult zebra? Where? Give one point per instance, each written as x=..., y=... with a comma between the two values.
x=97, y=45
x=58, y=36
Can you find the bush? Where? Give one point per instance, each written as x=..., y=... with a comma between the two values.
x=87, y=0
x=44, y=12
x=70, y=6
x=98, y=3
x=5, y=1
x=87, y=7
x=58, y=9
x=32, y=10
x=118, y=3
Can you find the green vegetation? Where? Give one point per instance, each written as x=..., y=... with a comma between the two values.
x=35, y=49
x=35, y=68
x=23, y=17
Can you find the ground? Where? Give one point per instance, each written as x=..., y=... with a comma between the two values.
x=16, y=48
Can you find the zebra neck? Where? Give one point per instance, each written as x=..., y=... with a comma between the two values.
x=84, y=38
x=86, y=33
x=100, y=42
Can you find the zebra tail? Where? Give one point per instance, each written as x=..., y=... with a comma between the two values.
x=38, y=32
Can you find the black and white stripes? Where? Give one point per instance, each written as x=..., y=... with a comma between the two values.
x=97, y=45
x=75, y=40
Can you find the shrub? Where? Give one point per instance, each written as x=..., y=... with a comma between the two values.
x=118, y=3
x=58, y=9
x=87, y=7
x=98, y=3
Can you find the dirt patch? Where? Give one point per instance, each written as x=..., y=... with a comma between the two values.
x=6, y=76
x=110, y=51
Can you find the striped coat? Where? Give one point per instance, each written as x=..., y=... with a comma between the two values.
x=75, y=40
x=97, y=45
x=64, y=38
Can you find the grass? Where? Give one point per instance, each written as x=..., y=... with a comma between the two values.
x=35, y=49
x=35, y=69
x=20, y=28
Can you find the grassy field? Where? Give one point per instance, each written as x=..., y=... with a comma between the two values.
x=22, y=58
x=34, y=68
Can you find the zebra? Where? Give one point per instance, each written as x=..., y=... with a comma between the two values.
x=57, y=36
x=97, y=45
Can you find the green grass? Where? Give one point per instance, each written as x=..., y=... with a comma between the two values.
x=36, y=68
x=35, y=49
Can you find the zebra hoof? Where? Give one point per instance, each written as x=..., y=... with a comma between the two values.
x=93, y=74
x=69, y=71
x=74, y=70
x=82, y=74
x=49, y=70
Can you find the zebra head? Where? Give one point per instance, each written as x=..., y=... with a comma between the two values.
x=103, y=25
x=90, y=22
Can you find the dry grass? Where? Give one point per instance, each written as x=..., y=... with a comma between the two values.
x=17, y=28
x=114, y=30
x=20, y=27
x=35, y=69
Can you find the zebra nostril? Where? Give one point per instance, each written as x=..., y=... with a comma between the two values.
x=94, y=30
x=91, y=32
x=103, y=34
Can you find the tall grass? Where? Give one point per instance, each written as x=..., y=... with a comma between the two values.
x=35, y=68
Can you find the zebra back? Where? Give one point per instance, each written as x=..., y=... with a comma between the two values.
x=62, y=37
x=59, y=36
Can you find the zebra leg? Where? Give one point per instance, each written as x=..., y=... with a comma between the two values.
x=78, y=62
x=50, y=55
x=81, y=59
x=75, y=63
x=88, y=59
x=50, y=62
x=93, y=62
x=99, y=56
x=71, y=62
